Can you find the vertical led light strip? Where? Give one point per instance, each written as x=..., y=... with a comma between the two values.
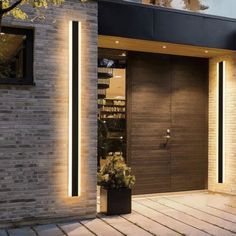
x=221, y=121
x=74, y=108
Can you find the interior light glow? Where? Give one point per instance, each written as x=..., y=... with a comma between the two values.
x=74, y=148
x=164, y=47
x=117, y=41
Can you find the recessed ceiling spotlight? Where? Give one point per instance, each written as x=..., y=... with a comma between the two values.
x=206, y=51
x=117, y=41
x=164, y=47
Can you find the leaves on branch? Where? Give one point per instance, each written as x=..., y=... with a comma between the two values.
x=15, y=7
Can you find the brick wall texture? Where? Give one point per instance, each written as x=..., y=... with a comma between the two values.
x=229, y=185
x=34, y=123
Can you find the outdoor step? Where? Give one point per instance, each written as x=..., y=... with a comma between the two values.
x=214, y=220
x=125, y=226
x=75, y=229
x=3, y=233
x=149, y=225
x=21, y=232
x=176, y=212
x=48, y=230
x=201, y=203
x=100, y=228
x=166, y=220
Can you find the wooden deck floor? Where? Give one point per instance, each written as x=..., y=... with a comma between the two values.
x=195, y=213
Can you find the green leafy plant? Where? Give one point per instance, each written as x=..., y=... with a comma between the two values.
x=16, y=7
x=115, y=174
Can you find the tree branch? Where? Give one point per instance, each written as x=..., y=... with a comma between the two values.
x=3, y=11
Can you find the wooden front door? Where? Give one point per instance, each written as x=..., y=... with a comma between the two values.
x=167, y=92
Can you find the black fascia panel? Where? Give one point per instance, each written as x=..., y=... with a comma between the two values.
x=220, y=33
x=125, y=20
x=139, y=21
x=194, y=29
x=175, y=27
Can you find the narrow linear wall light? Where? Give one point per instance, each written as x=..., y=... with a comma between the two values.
x=220, y=121
x=74, y=108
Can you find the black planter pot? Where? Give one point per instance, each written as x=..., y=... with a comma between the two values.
x=115, y=201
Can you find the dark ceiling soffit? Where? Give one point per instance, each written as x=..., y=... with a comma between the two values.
x=125, y=19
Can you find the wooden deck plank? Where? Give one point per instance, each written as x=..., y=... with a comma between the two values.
x=75, y=229
x=222, y=202
x=100, y=228
x=3, y=233
x=226, y=203
x=196, y=213
x=48, y=230
x=225, y=208
x=177, y=213
x=125, y=226
x=149, y=225
x=224, y=224
x=166, y=220
x=26, y=231
x=203, y=203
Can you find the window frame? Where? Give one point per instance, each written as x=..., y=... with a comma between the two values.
x=28, y=78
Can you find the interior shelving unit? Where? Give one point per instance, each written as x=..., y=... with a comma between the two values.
x=104, y=75
x=112, y=109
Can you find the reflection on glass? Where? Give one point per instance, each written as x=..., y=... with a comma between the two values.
x=192, y=5
x=213, y=7
x=12, y=56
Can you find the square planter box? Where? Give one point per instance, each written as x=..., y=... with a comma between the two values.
x=115, y=201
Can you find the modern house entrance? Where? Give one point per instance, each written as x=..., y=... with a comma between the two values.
x=166, y=119
x=174, y=130
x=167, y=102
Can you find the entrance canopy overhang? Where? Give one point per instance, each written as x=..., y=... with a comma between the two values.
x=160, y=47
x=144, y=22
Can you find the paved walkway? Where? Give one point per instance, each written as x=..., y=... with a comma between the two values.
x=195, y=213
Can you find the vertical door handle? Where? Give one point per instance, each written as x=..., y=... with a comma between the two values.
x=167, y=137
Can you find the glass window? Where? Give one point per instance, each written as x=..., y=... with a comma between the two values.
x=16, y=56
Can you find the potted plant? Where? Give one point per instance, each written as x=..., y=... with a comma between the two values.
x=116, y=181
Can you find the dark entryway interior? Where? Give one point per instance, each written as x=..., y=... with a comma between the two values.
x=111, y=104
x=160, y=125
x=167, y=97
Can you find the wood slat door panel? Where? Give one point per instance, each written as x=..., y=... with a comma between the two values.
x=189, y=121
x=148, y=106
x=164, y=92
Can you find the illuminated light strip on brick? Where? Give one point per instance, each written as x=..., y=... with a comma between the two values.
x=74, y=108
x=220, y=121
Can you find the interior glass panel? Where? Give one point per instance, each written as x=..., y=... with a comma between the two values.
x=12, y=56
x=111, y=104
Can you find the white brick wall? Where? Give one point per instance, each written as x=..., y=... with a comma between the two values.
x=34, y=124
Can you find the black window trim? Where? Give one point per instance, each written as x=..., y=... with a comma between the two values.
x=29, y=57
